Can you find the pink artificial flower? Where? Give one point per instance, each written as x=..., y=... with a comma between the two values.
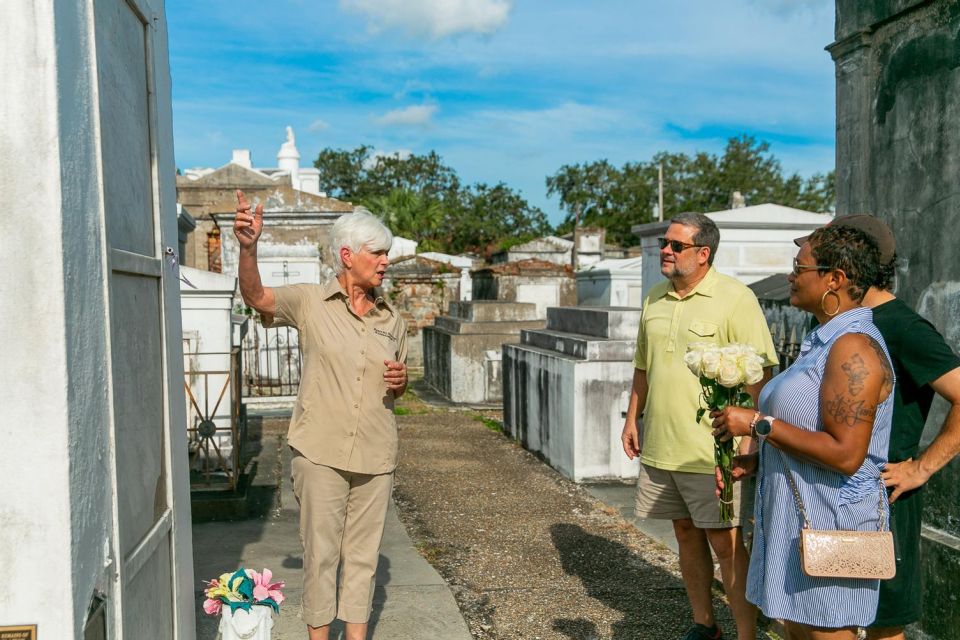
x=212, y=606
x=263, y=588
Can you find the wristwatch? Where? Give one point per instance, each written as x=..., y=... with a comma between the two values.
x=763, y=427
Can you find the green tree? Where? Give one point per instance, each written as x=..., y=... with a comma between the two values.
x=342, y=173
x=410, y=215
x=619, y=198
x=492, y=215
x=422, y=198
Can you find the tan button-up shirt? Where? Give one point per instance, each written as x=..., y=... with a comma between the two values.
x=344, y=413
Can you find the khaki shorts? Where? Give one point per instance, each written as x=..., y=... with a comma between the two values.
x=342, y=515
x=675, y=495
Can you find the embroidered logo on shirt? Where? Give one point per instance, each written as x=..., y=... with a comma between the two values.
x=380, y=332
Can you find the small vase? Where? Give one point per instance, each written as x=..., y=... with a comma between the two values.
x=246, y=625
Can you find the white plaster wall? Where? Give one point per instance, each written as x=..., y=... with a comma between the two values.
x=36, y=426
x=602, y=392
x=593, y=291
x=206, y=313
x=570, y=411
x=468, y=376
x=56, y=516
x=541, y=294
x=608, y=289
x=402, y=247
x=299, y=270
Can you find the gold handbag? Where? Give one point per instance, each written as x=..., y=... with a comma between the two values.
x=845, y=554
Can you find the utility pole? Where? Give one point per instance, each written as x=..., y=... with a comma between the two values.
x=660, y=195
x=576, y=225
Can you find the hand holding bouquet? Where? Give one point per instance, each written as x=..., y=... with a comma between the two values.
x=724, y=372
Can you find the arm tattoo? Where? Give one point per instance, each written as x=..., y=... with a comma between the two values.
x=849, y=412
x=856, y=372
x=887, y=371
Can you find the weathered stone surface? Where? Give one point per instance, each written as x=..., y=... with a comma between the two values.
x=455, y=348
x=898, y=157
x=579, y=346
x=493, y=310
x=459, y=325
x=618, y=323
x=537, y=281
x=566, y=390
x=898, y=108
x=940, y=562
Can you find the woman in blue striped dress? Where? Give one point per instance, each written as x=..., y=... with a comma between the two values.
x=825, y=421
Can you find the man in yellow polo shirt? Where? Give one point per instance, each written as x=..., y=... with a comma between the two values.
x=694, y=304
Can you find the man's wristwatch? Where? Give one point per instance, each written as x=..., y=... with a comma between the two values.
x=763, y=427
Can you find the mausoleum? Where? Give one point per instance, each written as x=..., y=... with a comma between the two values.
x=566, y=389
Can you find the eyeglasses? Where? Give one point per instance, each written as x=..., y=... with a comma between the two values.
x=675, y=245
x=800, y=268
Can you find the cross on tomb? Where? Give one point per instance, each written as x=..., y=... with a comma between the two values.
x=286, y=273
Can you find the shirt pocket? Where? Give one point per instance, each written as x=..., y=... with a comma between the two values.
x=703, y=331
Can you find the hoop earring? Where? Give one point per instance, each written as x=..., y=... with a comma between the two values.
x=823, y=299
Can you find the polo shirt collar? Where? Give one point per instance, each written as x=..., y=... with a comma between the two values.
x=705, y=287
x=333, y=289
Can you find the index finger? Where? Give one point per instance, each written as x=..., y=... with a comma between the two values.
x=242, y=203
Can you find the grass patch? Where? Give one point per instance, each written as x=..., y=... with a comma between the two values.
x=401, y=411
x=494, y=425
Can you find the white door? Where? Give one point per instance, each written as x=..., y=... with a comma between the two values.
x=151, y=528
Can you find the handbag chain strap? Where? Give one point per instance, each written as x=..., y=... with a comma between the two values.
x=881, y=515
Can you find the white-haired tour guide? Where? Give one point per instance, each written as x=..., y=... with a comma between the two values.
x=342, y=434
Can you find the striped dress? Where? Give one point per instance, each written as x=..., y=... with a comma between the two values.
x=833, y=500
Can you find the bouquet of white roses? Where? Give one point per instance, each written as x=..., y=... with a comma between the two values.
x=724, y=372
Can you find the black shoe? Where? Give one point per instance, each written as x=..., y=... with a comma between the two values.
x=703, y=632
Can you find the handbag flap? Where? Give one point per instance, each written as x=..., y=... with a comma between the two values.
x=847, y=554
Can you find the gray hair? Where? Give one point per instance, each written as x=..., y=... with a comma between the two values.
x=356, y=231
x=707, y=235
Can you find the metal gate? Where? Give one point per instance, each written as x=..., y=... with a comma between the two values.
x=271, y=361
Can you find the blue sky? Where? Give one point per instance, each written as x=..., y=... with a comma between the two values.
x=503, y=90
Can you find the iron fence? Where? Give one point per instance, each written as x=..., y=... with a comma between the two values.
x=272, y=361
x=215, y=425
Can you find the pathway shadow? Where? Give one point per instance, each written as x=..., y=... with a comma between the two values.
x=653, y=601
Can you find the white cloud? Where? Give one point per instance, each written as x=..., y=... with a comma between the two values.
x=433, y=18
x=414, y=116
x=318, y=125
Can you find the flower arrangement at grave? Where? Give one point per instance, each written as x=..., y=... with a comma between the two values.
x=244, y=599
x=724, y=373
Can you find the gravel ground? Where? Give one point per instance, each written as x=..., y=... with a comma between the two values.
x=527, y=553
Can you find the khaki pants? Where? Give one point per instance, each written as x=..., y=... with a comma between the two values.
x=342, y=516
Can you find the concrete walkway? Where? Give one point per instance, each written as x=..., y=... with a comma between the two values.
x=411, y=600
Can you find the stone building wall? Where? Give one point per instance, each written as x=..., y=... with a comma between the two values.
x=898, y=114
x=898, y=157
x=538, y=281
x=421, y=289
x=214, y=195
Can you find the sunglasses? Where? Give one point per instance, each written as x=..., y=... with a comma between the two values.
x=800, y=268
x=675, y=245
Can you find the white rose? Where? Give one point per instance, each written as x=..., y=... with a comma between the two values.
x=731, y=351
x=710, y=364
x=729, y=374
x=692, y=359
x=753, y=369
